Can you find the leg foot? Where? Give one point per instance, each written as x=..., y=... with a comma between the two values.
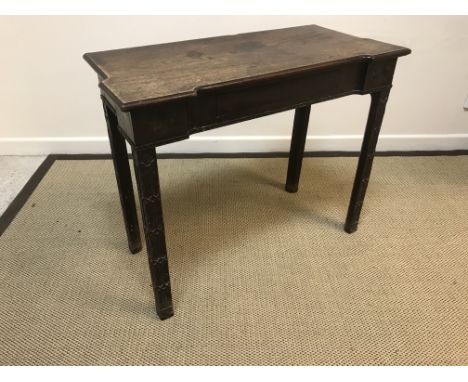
x=166, y=313
x=292, y=188
x=351, y=227
x=135, y=247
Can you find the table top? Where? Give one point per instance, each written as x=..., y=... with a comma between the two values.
x=156, y=73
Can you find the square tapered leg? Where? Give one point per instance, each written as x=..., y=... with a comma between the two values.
x=296, y=153
x=124, y=180
x=146, y=170
x=366, y=158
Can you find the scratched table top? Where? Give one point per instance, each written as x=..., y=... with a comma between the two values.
x=155, y=73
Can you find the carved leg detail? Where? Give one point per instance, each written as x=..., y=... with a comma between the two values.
x=296, y=153
x=371, y=135
x=146, y=170
x=124, y=181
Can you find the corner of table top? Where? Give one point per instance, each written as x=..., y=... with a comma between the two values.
x=88, y=57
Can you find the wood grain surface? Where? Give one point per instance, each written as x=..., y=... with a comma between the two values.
x=152, y=74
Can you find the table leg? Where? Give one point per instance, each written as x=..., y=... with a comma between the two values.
x=296, y=153
x=124, y=181
x=146, y=170
x=371, y=135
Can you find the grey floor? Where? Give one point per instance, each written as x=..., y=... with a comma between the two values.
x=15, y=171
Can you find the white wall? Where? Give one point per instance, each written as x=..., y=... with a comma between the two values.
x=50, y=101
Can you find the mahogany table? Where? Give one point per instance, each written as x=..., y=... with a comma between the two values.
x=157, y=94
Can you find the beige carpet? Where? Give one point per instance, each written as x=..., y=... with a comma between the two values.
x=259, y=276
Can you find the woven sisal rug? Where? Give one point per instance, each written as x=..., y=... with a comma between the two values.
x=259, y=276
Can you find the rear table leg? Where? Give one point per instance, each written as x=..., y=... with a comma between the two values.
x=296, y=153
x=124, y=180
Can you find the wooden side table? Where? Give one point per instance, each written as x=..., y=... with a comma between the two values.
x=157, y=94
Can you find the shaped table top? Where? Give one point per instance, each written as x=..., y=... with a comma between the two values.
x=155, y=73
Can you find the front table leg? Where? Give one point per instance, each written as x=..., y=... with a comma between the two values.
x=146, y=170
x=371, y=135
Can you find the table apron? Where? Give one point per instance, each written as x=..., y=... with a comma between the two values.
x=176, y=120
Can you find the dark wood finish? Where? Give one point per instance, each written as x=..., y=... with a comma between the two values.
x=296, y=153
x=156, y=73
x=371, y=135
x=146, y=171
x=124, y=180
x=165, y=93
